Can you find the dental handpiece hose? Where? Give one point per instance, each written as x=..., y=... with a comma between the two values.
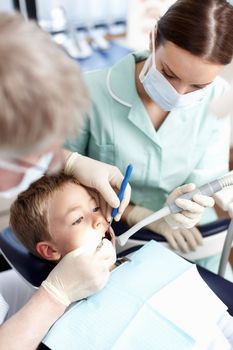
x=208, y=190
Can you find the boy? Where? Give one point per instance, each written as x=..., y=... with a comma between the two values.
x=57, y=215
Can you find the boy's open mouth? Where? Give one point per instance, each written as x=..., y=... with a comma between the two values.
x=109, y=235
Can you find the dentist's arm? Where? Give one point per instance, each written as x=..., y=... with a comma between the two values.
x=74, y=277
x=102, y=177
x=27, y=327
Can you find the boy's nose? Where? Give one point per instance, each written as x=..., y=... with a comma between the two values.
x=98, y=220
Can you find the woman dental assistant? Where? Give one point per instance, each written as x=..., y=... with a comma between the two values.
x=152, y=109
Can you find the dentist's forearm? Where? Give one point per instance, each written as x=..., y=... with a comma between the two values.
x=26, y=329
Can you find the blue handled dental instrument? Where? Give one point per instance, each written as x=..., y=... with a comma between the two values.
x=122, y=191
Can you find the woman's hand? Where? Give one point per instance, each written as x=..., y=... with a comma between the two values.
x=192, y=209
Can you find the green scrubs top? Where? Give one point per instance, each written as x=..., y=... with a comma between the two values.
x=192, y=144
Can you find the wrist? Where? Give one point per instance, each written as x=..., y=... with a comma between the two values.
x=136, y=214
x=70, y=164
x=50, y=301
x=126, y=212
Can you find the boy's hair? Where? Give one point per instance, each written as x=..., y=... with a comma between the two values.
x=28, y=213
x=42, y=94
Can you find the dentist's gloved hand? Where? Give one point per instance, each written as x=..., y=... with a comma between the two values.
x=179, y=239
x=192, y=209
x=102, y=177
x=224, y=199
x=77, y=276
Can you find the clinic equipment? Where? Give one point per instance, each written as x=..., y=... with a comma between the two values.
x=208, y=190
x=122, y=190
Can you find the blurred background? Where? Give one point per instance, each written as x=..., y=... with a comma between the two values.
x=95, y=33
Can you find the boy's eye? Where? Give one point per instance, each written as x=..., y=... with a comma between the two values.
x=96, y=209
x=78, y=221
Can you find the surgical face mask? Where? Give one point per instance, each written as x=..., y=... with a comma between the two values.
x=31, y=174
x=162, y=92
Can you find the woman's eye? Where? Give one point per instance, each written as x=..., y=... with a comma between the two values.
x=167, y=75
x=78, y=221
x=96, y=209
x=198, y=87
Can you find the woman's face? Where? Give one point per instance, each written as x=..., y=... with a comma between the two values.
x=183, y=70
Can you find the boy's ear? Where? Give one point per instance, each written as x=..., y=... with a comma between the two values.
x=48, y=250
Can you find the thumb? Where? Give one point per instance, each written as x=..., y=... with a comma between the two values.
x=185, y=188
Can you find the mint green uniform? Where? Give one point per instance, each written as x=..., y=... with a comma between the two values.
x=192, y=144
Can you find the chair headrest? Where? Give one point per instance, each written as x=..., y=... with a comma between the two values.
x=33, y=269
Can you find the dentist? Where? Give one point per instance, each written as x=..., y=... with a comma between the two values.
x=42, y=98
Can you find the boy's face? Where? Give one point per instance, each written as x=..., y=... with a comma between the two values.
x=74, y=219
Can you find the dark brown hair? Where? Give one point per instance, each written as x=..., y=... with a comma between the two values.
x=202, y=27
x=28, y=213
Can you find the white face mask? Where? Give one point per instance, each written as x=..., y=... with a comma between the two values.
x=31, y=174
x=162, y=92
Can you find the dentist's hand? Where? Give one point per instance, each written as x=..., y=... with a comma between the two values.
x=179, y=239
x=102, y=177
x=192, y=209
x=77, y=276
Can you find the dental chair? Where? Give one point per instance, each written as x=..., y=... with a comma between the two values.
x=34, y=270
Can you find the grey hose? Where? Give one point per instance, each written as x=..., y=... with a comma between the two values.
x=226, y=250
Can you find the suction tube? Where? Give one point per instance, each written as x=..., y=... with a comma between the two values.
x=208, y=190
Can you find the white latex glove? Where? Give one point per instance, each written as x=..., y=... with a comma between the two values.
x=102, y=177
x=192, y=209
x=77, y=275
x=224, y=199
x=179, y=239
